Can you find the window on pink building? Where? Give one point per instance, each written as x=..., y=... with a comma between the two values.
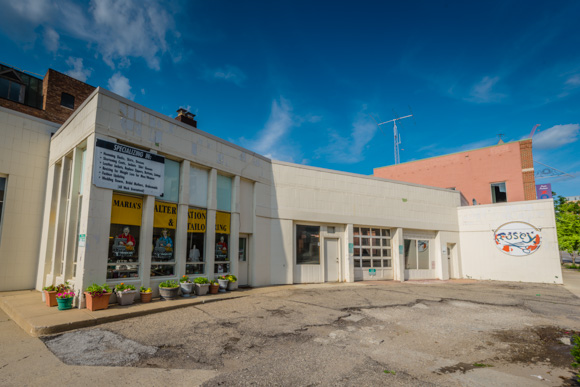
x=498, y=193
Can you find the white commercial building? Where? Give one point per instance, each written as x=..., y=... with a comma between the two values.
x=134, y=196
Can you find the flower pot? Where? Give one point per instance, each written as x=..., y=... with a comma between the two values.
x=201, y=289
x=50, y=298
x=64, y=303
x=146, y=297
x=168, y=293
x=232, y=285
x=213, y=289
x=223, y=285
x=97, y=302
x=186, y=289
x=126, y=298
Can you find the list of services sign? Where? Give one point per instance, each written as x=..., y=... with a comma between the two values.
x=124, y=168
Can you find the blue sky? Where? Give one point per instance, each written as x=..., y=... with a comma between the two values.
x=298, y=80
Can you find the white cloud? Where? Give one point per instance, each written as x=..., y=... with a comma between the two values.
x=556, y=136
x=482, y=92
x=272, y=140
x=573, y=81
x=228, y=73
x=51, y=39
x=78, y=71
x=350, y=149
x=119, y=30
x=119, y=84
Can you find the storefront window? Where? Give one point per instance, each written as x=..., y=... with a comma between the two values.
x=198, y=187
x=416, y=254
x=171, y=182
x=242, y=247
x=307, y=245
x=372, y=247
x=222, y=234
x=123, y=260
x=196, y=221
x=163, y=252
x=224, y=193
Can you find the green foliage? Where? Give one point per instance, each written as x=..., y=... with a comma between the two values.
x=481, y=365
x=123, y=288
x=232, y=278
x=169, y=284
x=575, y=351
x=568, y=225
x=143, y=289
x=61, y=288
x=390, y=372
x=185, y=279
x=98, y=290
x=201, y=280
x=213, y=282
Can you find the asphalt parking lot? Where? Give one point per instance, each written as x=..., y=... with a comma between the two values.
x=375, y=333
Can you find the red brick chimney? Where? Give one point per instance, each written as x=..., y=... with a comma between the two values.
x=186, y=117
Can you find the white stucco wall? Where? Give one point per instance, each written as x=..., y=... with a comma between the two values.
x=481, y=259
x=24, y=146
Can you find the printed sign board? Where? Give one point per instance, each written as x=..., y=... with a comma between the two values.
x=517, y=238
x=124, y=168
x=543, y=191
x=372, y=272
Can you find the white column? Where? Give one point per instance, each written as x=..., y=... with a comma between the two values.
x=146, y=242
x=60, y=221
x=398, y=245
x=235, y=226
x=47, y=238
x=440, y=251
x=180, y=247
x=210, y=225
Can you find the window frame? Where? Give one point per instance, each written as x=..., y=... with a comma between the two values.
x=493, y=194
x=297, y=240
x=377, y=243
x=64, y=95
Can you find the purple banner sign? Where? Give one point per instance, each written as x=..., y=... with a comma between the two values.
x=543, y=191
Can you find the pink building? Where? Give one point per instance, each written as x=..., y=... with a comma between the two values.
x=495, y=174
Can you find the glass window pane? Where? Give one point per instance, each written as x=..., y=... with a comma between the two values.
x=410, y=254
x=220, y=268
x=375, y=232
x=162, y=270
x=171, y=186
x=387, y=263
x=357, y=252
x=194, y=269
x=366, y=231
x=307, y=245
x=356, y=231
x=242, y=256
x=357, y=241
x=423, y=248
x=386, y=232
x=386, y=242
x=4, y=87
x=377, y=262
x=221, y=247
x=386, y=252
x=195, y=247
x=376, y=242
x=224, y=193
x=357, y=263
x=124, y=234
x=366, y=252
x=366, y=241
x=198, y=179
x=376, y=252
x=366, y=263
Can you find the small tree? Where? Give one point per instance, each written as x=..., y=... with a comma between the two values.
x=568, y=226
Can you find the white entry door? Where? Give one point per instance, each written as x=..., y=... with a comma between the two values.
x=243, y=262
x=331, y=259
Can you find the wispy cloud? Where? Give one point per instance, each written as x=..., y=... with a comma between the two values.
x=272, y=141
x=350, y=149
x=483, y=91
x=227, y=73
x=119, y=84
x=78, y=71
x=556, y=136
x=120, y=30
x=573, y=81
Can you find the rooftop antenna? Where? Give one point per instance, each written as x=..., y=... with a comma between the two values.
x=396, y=134
x=534, y=130
x=500, y=135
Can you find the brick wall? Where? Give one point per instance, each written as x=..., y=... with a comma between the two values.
x=528, y=169
x=53, y=85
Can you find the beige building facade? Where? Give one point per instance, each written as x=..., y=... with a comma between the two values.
x=218, y=208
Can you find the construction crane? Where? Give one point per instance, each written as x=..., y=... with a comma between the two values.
x=534, y=130
x=397, y=135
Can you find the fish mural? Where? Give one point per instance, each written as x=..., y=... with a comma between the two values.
x=518, y=238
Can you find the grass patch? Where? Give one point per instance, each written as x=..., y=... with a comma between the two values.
x=389, y=372
x=481, y=365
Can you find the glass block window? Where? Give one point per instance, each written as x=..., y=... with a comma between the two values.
x=372, y=247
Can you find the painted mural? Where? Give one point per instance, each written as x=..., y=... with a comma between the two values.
x=517, y=238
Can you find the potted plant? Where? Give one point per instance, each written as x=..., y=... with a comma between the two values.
x=125, y=293
x=223, y=282
x=65, y=300
x=214, y=287
x=201, y=285
x=233, y=282
x=186, y=286
x=168, y=290
x=98, y=297
x=146, y=294
x=51, y=292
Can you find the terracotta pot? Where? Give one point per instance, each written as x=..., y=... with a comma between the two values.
x=126, y=298
x=214, y=289
x=51, y=298
x=168, y=293
x=146, y=297
x=201, y=289
x=98, y=302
